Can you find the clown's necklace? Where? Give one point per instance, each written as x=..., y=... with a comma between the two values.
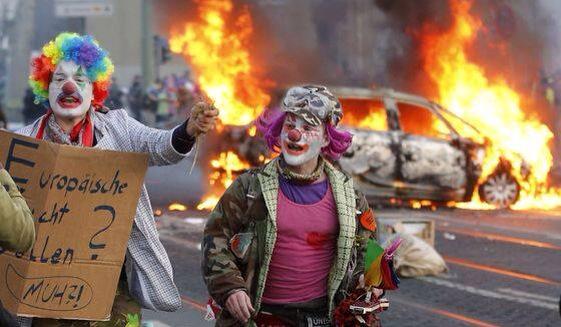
x=300, y=178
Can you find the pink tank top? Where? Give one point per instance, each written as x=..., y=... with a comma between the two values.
x=304, y=250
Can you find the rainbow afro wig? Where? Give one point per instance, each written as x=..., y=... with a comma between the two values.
x=83, y=50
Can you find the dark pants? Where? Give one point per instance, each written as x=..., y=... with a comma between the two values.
x=6, y=319
x=312, y=313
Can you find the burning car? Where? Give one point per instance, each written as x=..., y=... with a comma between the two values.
x=406, y=147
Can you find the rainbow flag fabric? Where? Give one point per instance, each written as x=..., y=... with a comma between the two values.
x=378, y=262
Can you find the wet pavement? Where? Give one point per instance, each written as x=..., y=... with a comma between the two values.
x=504, y=270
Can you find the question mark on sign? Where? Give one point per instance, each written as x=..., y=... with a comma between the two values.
x=93, y=245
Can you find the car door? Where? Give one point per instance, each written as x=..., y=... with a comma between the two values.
x=372, y=157
x=429, y=164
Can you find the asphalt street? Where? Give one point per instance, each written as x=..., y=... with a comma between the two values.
x=504, y=270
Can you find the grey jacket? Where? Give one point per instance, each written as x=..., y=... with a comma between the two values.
x=148, y=268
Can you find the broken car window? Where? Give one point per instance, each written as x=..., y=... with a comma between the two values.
x=365, y=113
x=421, y=121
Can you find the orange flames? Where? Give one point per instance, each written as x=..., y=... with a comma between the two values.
x=491, y=105
x=216, y=45
x=176, y=206
x=225, y=167
x=358, y=115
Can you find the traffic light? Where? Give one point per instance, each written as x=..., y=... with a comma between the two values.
x=162, y=50
x=166, y=52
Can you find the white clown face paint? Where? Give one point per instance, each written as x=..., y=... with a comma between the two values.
x=300, y=141
x=70, y=91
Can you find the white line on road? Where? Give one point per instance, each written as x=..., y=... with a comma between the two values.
x=452, y=218
x=528, y=295
x=489, y=294
x=478, y=223
x=154, y=323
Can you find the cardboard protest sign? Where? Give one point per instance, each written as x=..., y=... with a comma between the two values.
x=83, y=201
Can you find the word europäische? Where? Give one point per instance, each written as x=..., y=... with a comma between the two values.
x=86, y=184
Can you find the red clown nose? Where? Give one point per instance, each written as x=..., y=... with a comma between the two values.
x=294, y=135
x=69, y=88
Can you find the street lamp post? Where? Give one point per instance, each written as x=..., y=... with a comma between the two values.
x=147, y=43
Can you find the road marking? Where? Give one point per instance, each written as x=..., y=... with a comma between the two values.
x=500, y=271
x=194, y=220
x=498, y=237
x=489, y=294
x=154, y=323
x=551, y=214
x=456, y=316
x=479, y=223
x=529, y=295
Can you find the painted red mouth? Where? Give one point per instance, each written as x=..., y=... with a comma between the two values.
x=295, y=149
x=69, y=101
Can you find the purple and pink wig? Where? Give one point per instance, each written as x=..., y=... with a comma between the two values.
x=270, y=125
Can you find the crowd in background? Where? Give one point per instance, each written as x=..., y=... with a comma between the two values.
x=161, y=104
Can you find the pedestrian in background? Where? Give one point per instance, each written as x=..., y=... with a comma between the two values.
x=115, y=98
x=165, y=98
x=31, y=110
x=186, y=94
x=151, y=101
x=135, y=97
x=3, y=120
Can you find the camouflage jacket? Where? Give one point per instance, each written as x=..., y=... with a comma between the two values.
x=248, y=207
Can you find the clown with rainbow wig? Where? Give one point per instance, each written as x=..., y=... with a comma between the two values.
x=286, y=243
x=71, y=78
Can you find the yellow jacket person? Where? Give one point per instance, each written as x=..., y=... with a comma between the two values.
x=17, y=231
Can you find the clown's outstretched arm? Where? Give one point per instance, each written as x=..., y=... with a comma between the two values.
x=167, y=147
x=17, y=231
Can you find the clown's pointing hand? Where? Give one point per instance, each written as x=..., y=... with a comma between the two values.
x=203, y=118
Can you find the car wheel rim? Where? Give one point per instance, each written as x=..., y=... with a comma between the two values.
x=500, y=190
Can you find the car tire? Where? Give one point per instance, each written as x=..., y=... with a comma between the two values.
x=500, y=189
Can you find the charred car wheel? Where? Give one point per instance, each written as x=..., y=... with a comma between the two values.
x=500, y=189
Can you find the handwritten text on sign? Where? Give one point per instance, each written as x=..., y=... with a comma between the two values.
x=83, y=202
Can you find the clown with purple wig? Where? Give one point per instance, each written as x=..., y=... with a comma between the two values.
x=286, y=243
x=339, y=141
